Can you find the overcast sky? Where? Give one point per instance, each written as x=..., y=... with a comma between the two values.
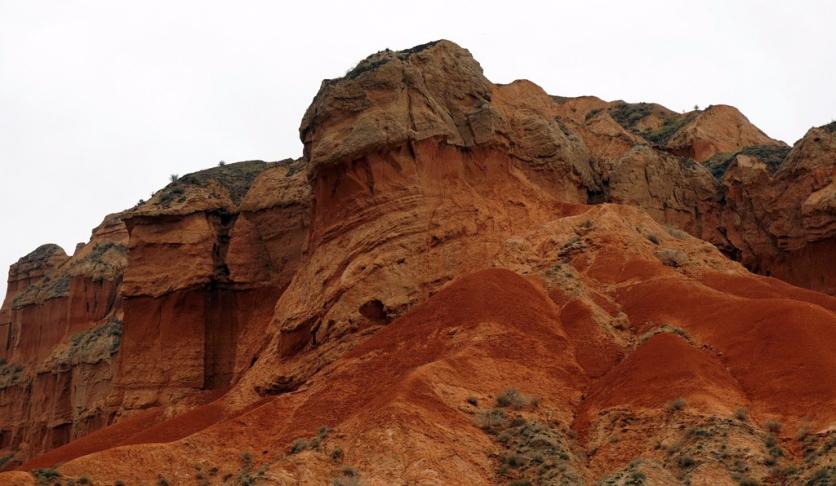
x=100, y=101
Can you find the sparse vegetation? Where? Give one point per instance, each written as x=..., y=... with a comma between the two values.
x=45, y=476
x=629, y=114
x=665, y=328
x=771, y=155
x=672, y=257
x=50, y=286
x=741, y=414
x=773, y=426
x=686, y=462
x=235, y=178
x=676, y=233
x=699, y=432
x=629, y=476
x=676, y=405
x=572, y=246
x=533, y=451
x=298, y=446
x=246, y=476
x=93, y=346
x=314, y=442
x=10, y=374
x=490, y=420
x=671, y=125
x=337, y=455
x=515, y=399
x=825, y=476
x=348, y=477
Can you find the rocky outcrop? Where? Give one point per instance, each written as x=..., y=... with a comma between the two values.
x=28, y=270
x=582, y=315
x=62, y=327
x=437, y=91
x=783, y=219
x=715, y=175
x=208, y=256
x=459, y=282
x=717, y=129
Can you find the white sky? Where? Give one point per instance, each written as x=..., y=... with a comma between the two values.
x=101, y=100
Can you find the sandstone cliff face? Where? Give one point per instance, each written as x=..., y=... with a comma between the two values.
x=717, y=129
x=208, y=256
x=785, y=219
x=62, y=326
x=715, y=175
x=448, y=250
x=438, y=91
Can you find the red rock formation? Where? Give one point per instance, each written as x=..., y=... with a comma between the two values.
x=783, y=220
x=208, y=257
x=390, y=306
x=62, y=324
x=717, y=129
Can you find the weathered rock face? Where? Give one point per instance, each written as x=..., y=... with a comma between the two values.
x=28, y=270
x=784, y=221
x=716, y=176
x=442, y=240
x=61, y=327
x=437, y=91
x=717, y=129
x=208, y=256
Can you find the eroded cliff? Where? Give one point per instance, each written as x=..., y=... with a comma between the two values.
x=459, y=283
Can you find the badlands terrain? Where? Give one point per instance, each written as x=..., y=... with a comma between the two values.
x=459, y=282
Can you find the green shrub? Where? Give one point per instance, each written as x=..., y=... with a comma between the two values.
x=825, y=476
x=337, y=455
x=514, y=399
x=298, y=446
x=45, y=476
x=348, y=477
x=490, y=420
x=516, y=461
x=741, y=414
x=676, y=405
x=686, y=462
